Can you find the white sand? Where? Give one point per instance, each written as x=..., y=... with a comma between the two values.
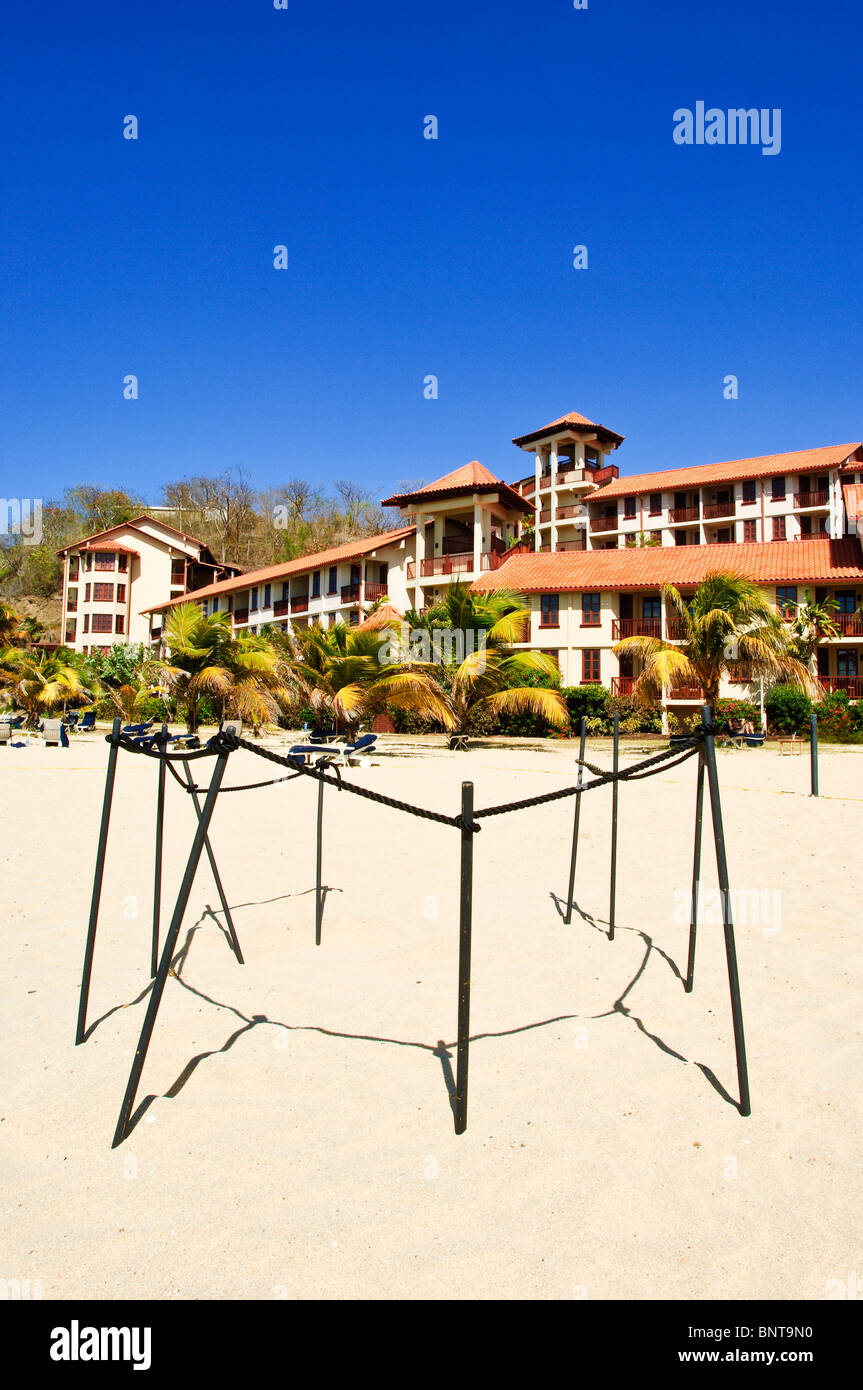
x=307, y=1148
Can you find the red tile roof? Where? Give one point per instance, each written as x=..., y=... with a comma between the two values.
x=853, y=497
x=86, y=541
x=471, y=477
x=648, y=567
x=572, y=421
x=349, y=551
x=380, y=618
x=805, y=460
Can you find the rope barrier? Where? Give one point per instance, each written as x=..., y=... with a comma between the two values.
x=226, y=741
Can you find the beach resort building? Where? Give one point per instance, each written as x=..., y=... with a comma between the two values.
x=110, y=578
x=591, y=551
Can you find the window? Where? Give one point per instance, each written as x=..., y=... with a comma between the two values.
x=629, y=508
x=846, y=663
x=216, y=603
x=806, y=526
x=267, y=593
x=750, y=530
x=786, y=599
x=253, y=604
x=103, y=593
x=847, y=601
x=723, y=535
x=555, y=656
x=71, y=625
x=590, y=610
x=655, y=503
x=121, y=594
x=71, y=599
x=777, y=489
x=102, y=622
x=354, y=618
x=119, y=623
x=316, y=584
x=88, y=561
x=123, y=563
x=549, y=610
x=333, y=583
x=178, y=573
x=104, y=559
x=779, y=528
x=87, y=588
x=204, y=607
x=75, y=564
x=383, y=574
x=680, y=538
x=749, y=490
x=590, y=666
x=86, y=622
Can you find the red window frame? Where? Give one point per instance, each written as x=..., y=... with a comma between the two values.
x=590, y=665
x=750, y=530
x=102, y=622
x=119, y=623
x=549, y=604
x=105, y=560
x=591, y=604
x=103, y=593
x=779, y=532
x=121, y=593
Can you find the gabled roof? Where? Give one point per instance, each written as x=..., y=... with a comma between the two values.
x=803, y=460
x=572, y=421
x=86, y=542
x=648, y=567
x=321, y=558
x=471, y=477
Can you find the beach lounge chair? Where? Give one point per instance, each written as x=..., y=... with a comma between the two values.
x=54, y=733
x=5, y=732
x=342, y=754
x=136, y=729
x=88, y=722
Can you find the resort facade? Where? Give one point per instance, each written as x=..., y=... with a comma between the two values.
x=590, y=550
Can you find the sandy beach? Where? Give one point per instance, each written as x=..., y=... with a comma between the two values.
x=299, y=1142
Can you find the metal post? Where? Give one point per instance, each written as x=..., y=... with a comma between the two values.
x=319, y=905
x=161, y=744
x=696, y=874
x=615, y=763
x=578, y=782
x=168, y=949
x=464, y=944
x=728, y=925
x=97, y=882
x=813, y=752
x=212, y=858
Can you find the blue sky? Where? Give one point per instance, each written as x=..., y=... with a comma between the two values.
x=410, y=257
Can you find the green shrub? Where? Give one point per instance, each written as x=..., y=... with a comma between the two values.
x=728, y=709
x=838, y=720
x=788, y=709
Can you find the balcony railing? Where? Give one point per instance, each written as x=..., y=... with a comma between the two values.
x=281, y=607
x=604, y=523
x=446, y=565
x=849, y=624
x=814, y=536
x=852, y=685
x=714, y=510
x=564, y=513
x=350, y=593
x=569, y=545
x=812, y=499
x=635, y=627
x=685, y=692
x=375, y=592
x=605, y=475
x=622, y=685
x=545, y=515
x=299, y=603
x=241, y=615
x=675, y=629
x=677, y=514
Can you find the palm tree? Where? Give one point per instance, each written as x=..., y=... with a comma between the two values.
x=728, y=626
x=492, y=677
x=42, y=682
x=811, y=623
x=243, y=675
x=347, y=675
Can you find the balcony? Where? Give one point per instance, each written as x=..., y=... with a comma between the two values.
x=852, y=685
x=675, y=629
x=445, y=565
x=812, y=499
x=849, y=624
x=566, y=513
x=241, y=615
x=605, y=475
x=685, y=692
x=716, y=510
x=813, y=535
x=635, y=627
x=604, y=523
x=350, y=593
x=622, y=685
x=545, y=515
x=678, y=515
x=375, y=592
x=281, y=607
x=568, y=545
